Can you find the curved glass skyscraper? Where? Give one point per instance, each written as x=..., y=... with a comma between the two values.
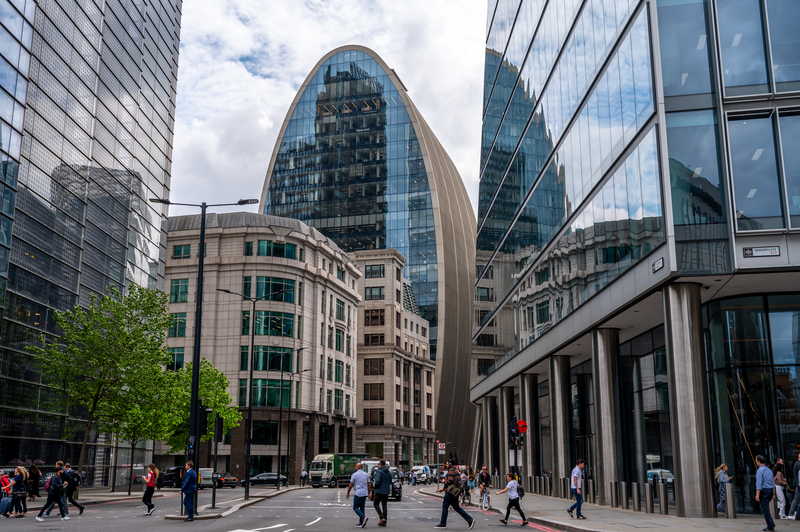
x=356, y=160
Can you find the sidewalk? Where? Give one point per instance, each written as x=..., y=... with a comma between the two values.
x=549, y=511
x=91, y=496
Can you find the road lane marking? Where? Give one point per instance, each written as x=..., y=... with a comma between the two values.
x=271, y=527
x=314, y=521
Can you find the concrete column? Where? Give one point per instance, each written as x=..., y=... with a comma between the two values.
x=688, y=400
x=476, y=439
x=296, y=451
x=559, y=418
x=506, y=414
x=528, y=403
x=608, y=440
x=489, y=432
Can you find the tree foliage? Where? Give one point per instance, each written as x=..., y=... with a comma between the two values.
x=213, y=393
x=107, y=352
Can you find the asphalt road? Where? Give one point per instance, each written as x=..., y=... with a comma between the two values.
x=309, y=510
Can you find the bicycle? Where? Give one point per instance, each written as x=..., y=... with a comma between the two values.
x=486, y=501
x=466, y=498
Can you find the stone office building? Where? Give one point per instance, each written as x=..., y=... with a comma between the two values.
x=395, y=406
x=304, y=335
x=640, y=173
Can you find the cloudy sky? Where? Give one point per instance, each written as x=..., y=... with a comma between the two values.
x=242, y=62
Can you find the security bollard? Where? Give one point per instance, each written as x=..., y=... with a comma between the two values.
x=663, y=506
x=613, y=494
x=773, y=507
x=637, y=503
x=730, y=501
x=589, y=491
x=623, y=496
x=530, y=484
x=648, y=498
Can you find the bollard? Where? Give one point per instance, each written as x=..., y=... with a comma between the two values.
x=589, y=491
x=637, y=503
x=565, y=493
x=773, y=507
x=539, y=486
x=623, y=496
x=730, y=501
x=663, y=506
x=613, y=494
x=530, y=484
x=648, y=498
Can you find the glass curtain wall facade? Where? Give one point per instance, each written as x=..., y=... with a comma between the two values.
x=357, y=161
x=98, y=81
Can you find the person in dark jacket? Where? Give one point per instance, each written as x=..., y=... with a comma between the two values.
x=381, y=486
x=56, y=495
x=452, y=489
x=189, y=489
x=73, y=479
x=33, y=483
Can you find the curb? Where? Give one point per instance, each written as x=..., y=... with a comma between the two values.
x=236, y=507
x=566, y=526
x=35, y=506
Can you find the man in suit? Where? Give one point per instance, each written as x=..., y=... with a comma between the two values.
x=189, y=489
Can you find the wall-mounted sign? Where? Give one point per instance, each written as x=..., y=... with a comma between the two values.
x=769, y=251
x=657, y=265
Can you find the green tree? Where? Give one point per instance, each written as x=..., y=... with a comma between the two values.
x=213, y=393
x=104, y=351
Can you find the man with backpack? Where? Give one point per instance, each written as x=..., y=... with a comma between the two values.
x=73, y=479
x=452, y=489
x=55, y=495
x=62, y=508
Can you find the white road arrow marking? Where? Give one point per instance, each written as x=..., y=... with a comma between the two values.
x=314, y=521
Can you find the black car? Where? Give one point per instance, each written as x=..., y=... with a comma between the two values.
x=396, y=492
x=266, y=479
x=170, y=477
x=227, y=481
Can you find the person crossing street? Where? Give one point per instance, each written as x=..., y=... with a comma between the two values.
x=381, y=486
x=360, y=481
x=452, y=490
x=188, y=490
x=73, y=479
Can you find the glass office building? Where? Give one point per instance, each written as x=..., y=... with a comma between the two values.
x=88, y=107
x=356, y=160
x=639, y=241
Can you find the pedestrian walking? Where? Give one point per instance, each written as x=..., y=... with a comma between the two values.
x=796, y=483
x=722, y=478
x=452, y=491
x=471, y=478
x=73, y=481
x=188, y=490
x=63, y=506
x=413, y=477
x=18, y=491
x=360, y=482
x=33, y=482
x=303, y=478
x=150, y=481
x=381, y=485
x=83, y=479
x=780, y=489
x=55, y=495
x=765, y=487
x=575, y=487
x=513, y=499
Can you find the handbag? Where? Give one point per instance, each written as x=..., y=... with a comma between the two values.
x=453, y=490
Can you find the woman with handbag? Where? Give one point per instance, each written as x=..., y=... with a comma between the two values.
x=19, y=492
x=33, y=483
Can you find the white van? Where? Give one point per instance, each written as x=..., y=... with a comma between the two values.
x=205, y=477
x=423, y=474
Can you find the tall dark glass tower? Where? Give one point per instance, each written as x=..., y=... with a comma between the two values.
x=88, y=110
x=356, y=160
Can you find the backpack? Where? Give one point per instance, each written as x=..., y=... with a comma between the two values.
x=48, y=483
x=520, y=490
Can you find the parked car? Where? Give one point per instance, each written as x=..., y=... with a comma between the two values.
x=396, y=491
x=205, y=477
x=170, y=477
x=227, y=481
x=265, y=479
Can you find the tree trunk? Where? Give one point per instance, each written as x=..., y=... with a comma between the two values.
x=130, y=476
x=89, y=423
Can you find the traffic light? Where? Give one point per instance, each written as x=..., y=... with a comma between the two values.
x=515, y=438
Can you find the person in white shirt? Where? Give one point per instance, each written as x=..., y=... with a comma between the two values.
x=575, y=487
x=513, y=499
x=360, y=481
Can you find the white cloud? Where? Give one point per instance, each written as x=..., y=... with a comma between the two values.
x=242, y=63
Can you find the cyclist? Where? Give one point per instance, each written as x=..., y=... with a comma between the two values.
x=484, y=481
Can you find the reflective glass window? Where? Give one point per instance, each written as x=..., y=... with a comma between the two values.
x=683, y=36
x=784, y=38
x=695, y=182
x=790, y=140
x=741, y=36
x=784, y=327
x=756, y=187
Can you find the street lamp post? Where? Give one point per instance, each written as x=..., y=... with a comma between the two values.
x=289, y=424
x=248, y=431
x=280, y=418
x=194, y=437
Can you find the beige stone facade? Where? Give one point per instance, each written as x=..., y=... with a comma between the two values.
x=395, y=407
x=310, y=329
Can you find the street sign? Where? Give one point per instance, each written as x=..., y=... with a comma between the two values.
x=522, y=426
x=442, y=447
x=441, y=451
